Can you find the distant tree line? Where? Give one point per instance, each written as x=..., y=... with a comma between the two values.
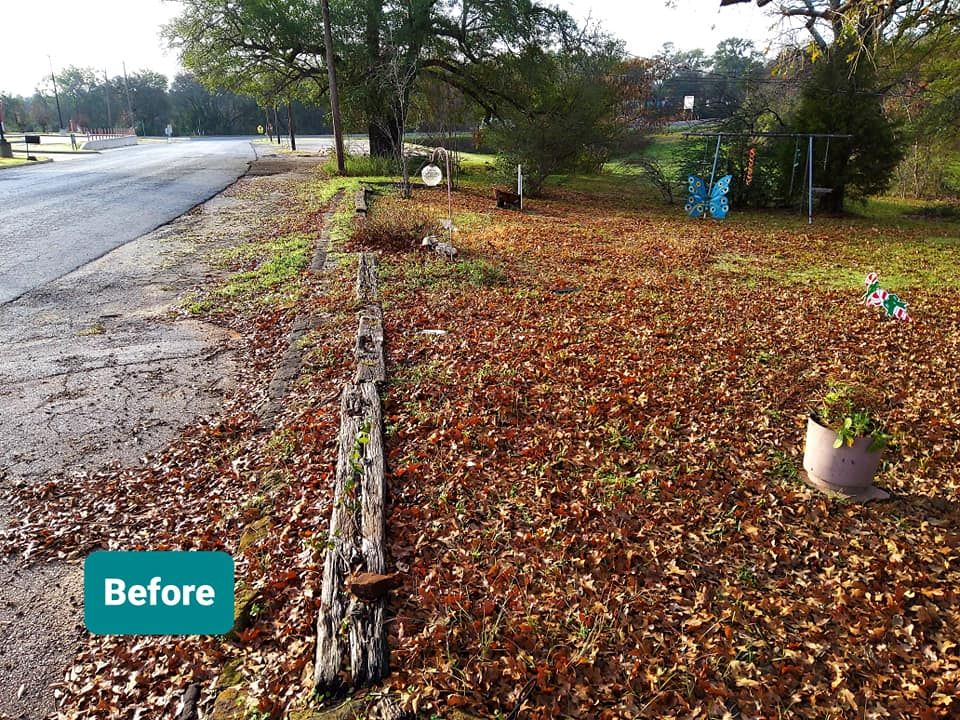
x=146, y=101
x=719, y=83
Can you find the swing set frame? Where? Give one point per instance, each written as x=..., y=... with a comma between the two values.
x=810, y=137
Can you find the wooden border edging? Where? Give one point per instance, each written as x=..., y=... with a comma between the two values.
x=360, y=201
x=350, y=626
x=371, y=363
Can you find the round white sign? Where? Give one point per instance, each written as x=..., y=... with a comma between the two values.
x=432, y=175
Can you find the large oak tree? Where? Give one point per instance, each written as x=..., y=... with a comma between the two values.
x=871, y=21
x=469, y=44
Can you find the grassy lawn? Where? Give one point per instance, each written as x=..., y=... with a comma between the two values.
x=15, y=161
x=596, y=469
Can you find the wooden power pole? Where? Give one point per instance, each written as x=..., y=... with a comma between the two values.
x=334, y=94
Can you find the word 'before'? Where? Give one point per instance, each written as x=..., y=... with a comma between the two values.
x=158, y=592
x=116, y=592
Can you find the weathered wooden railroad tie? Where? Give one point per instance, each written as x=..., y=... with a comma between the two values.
x=352, y=648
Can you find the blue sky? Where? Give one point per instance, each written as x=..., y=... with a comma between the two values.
x=105, y=33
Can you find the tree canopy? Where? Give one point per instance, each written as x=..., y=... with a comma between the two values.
x=468, y=44
x=869, y=22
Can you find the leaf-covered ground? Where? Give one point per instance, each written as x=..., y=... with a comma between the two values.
x=595, y=469
x=594, y=476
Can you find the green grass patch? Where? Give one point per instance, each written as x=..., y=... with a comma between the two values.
x=475, y=272
x=903, y=261
x=664, y=148
x=467, y=221
x=365, y=166
x=477, y=163
x=322, y=192
x=317, y=195
x=273, y=281
x=615, y=178
x=341, y=224
x=481, y=273
x=751, y=269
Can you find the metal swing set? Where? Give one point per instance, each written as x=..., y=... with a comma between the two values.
x=812, y=190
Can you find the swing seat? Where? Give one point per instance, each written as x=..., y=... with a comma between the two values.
x=821, y=191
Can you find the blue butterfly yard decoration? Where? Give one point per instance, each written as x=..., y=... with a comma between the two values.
x=699, y=202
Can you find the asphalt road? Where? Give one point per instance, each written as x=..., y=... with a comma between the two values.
x=58, y=217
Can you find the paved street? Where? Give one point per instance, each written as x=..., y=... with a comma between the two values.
x=58, y=217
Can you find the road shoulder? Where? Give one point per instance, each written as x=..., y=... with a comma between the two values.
x=101, y=368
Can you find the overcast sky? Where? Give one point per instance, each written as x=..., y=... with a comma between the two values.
x=106, y=33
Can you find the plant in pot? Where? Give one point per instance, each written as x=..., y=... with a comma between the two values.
x=845, y=442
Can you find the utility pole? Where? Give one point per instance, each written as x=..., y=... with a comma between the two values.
x=106, y=94
x=334, y=93
x=126, y=89
x=56, y=94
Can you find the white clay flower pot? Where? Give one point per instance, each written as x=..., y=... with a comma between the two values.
x=846, y=470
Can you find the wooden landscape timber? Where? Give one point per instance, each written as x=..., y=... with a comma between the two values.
x=351, y=640
x=371, y=364
x=369, y=348
x=367, y=291
x=360, y=201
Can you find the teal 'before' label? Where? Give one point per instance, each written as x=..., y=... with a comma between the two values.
x=158, y=593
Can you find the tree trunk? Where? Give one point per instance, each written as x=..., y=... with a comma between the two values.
x=293, y=137
x=379, y=137
x=405, y=174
